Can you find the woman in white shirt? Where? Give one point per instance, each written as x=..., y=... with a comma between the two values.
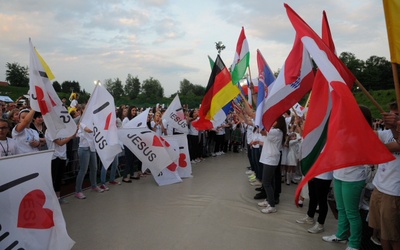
x=27, y=139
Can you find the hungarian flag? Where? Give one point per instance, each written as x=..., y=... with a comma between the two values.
x=100, y=117
x=316, y=126
x=175, y=116
x=293, y=82
x=350, y=139
x=242, y=58
x=392, y=14
x=31, y=216
x=265, y=79
x=219, y=92
x=44, y=99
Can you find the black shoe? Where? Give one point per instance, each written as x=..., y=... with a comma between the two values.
x=260, y=196
x=259, y=189
x=276, y=201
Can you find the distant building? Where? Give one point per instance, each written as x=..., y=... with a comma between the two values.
x=3, y=84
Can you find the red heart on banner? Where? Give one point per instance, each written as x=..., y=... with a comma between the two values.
x=182, y=160
x=157, y=142
x=172, y=167
x=31, y=212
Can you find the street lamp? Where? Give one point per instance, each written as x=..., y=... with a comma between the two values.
x=219, y=46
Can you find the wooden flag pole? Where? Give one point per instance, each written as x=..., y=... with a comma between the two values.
x=253, y=95
x=308, y=100
x=396, y=83
x=370, y=97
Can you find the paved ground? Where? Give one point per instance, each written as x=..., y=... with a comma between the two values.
x=213, y=210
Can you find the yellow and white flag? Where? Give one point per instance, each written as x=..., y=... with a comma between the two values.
x=44, y=99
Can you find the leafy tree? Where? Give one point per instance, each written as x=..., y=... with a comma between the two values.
x=114, y=87
x=199, y=90
x=17, y=75
x=70, y=86
x=185, y=87
x=353, y=63
x=152, y=89
x=57, y=86
x=132, y=87
x=378, y=73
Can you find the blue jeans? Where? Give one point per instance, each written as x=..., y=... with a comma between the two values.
x=103, y=175
x=86, y=159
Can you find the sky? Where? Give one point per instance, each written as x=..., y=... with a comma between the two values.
x=169, y=40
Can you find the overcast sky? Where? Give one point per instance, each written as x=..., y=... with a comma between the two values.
x=169, y=40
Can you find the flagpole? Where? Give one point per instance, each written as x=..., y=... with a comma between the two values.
x=308, y=100
x=396, y=82
x=370, y=97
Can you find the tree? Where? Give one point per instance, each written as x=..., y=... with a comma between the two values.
x=378, y=73
x=114, y=87
x=355, y=65
x=70, y=86
x=17, y=75
x=185, y=87
x=132, y=87
x=152, y=89
x=199, y=90
x=57, y=86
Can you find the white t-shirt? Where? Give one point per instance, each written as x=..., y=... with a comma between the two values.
x=158, y=128
x=350, y=174
x=192, y=129
x=249, y=133
x=74, y=103
x=387, y=177
x=59, y=151
x=86, y=139
x=270, y=152
x=8, y=147
x=23, y=139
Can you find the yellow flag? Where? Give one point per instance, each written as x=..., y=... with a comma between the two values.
x=45, y=66
x=392, y=16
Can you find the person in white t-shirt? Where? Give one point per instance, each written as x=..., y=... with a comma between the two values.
x=8, y=145
x=58, y=160
x=384, y=209
x=27, y=139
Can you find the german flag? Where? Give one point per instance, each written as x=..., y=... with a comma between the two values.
x=219, y=92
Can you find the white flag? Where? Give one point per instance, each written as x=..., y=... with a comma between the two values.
x=43, y=98
x=100, y=117
x=30, y=217
x=147, y=147
x=169, y=175
x=184, y=164
x=139, y=121
x=300, y=110
x=175, y=116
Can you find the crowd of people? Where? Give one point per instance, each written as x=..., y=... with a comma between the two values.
x=273, y=160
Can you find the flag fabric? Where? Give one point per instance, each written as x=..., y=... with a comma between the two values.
x=320, y=105
x=241, y=60
x=392, y=13
x=357, y=143
x=140, y=121
x=265, y=80
x=148, y=148
x=31, y=216
x=211, y=61
x=219, y=92
x=100, y=117
x=184, y=164
x=168, y=175
x=175, y=117
x=249, y=93
x=300, y=110
x=293, y=82
x=44, y=99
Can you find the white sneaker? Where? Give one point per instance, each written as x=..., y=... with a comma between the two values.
x=213, y=154
x=222, y=152
x=197, y=160
x=263, y=203
x=218, y=153
x=249, y=172
x=351, y=248
x=306, y=220
x=193, y=162
x=97, y=189
x=333, y=238
x=268, y=210
x=316, y=229
x=256, y=183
